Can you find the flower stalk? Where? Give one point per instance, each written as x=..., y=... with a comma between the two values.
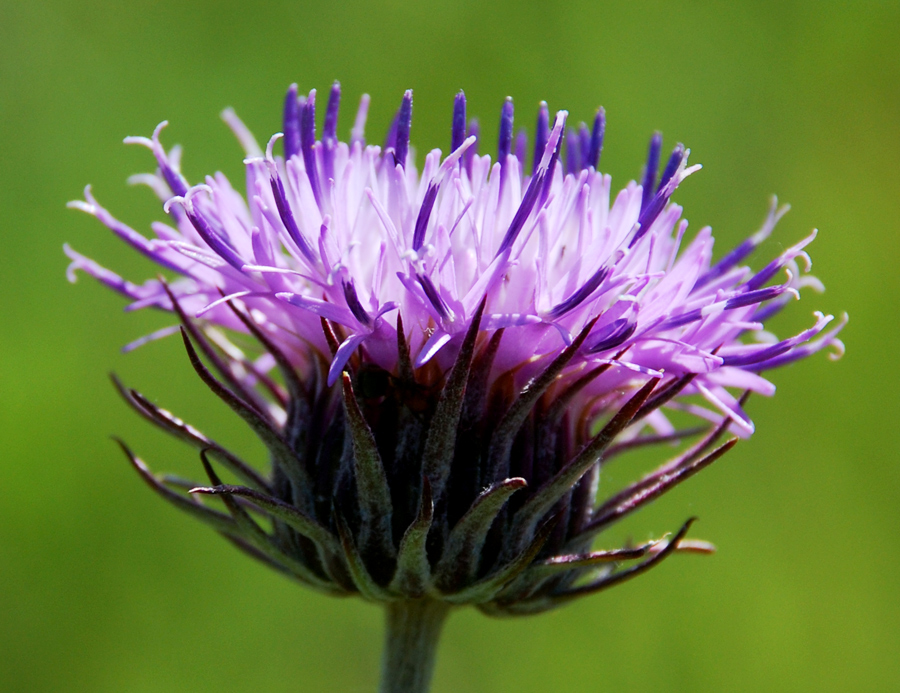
x=412, y=631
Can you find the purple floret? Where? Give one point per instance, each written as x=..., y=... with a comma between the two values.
x=329, y=232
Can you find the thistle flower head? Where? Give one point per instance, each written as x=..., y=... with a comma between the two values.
x=448, y=357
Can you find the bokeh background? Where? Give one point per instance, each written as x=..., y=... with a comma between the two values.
x=105, y=588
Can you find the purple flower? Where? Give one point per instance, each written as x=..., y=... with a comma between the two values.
x=458, y=350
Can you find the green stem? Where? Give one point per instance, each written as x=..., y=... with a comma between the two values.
x=412, y=631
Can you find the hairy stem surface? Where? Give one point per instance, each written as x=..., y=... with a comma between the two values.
x=412, y=632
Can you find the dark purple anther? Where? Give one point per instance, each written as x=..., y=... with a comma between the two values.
x=596, y=147
x=390, y=141
x=354, y=305
x=174, y=180
x=458, y=130
x=329, y=128
x=679, y=320
x=648, y=216
x=551, y=167
x=746, y=299
x=521, y=146
x=581, y=294
x=291, y=125
x=504, y=143
x=525, y=207
x=424, y=215
x=541, y=135
x=650, y=171
x=404, y=122
x=214, y=240
x=674, y=162
x=573, y=155
x=308, y=144
x=471, y=152
x=329, y=131
x=743, y=360
x=584, y=145
x=613, y=335
x=287, y=218
x=433, y=296
x=650, y=209
x=726, y=263
x=765, y=274
x=751, y=297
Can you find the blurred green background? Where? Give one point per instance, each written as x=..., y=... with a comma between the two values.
x=104, y=588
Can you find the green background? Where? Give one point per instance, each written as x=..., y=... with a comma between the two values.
x=104, y=588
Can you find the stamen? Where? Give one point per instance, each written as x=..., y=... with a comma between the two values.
x=308, y=143
x=390, y=140
x=354, y=305
x=551, y=166
x=504, y=145
x=291, y=124
x=573, y=155
x=458, y=129
x=287, y=217
x=674, y=162
x=584, y=145
x=650, y=171
x=521, y=146
x=541, y=135
x=433, y=296
x=329, y=130
x=613, y=335
x=773, y=267
x=581, y=294
x=597, y=133
x=733, y=257
x=537, y=186
x=404, y=122
x=424, y=215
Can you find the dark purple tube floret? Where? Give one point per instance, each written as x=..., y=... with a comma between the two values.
x=541, y=134
x=584, y=145
x=597, y=132
x=551, y=168
x=521, y=147
x=354, y=305
x=504, y=141
x=215, y=241
x=674, y=162
x=424, y=215
x=581, y=294
x=729, y=260
x=308, y=144
x=458, y=127
x=287, y=218
x=329, y=131
x=573, y=151
x=651, y=169
x=291, y=124
x=433, y=296
x=404, y=122
x=527, y=204
x=613, y=335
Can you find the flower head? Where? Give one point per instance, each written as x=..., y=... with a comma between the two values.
x=447, y=358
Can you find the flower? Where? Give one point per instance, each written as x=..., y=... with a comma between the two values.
x=447, y=359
